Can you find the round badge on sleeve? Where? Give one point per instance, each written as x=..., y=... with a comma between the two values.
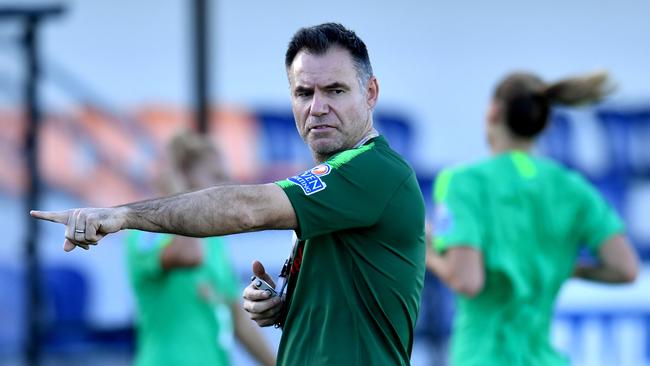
x=320, y=170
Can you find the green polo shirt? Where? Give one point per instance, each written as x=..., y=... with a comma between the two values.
x=361, y=224
x=528, y=217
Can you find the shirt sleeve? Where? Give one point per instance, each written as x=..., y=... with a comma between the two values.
x=457, y=212
x=144, y=251
x=337, y=196
x=598, y=221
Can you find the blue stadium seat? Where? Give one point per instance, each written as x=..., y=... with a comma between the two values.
x=65, y=299
x=628, y=131
x=64, y=296
x=397, y=130
x=12, y=311
x=280, y=141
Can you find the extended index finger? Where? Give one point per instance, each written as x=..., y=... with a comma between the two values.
x=60, y=217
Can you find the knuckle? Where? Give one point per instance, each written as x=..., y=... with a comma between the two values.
x=247, y=294
x=246, y=305
x=251, y=307
x=255, y=294
x=94, y=238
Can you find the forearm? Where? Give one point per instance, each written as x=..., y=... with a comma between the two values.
x=617, y=263
x=461, y=269
x=437, y=265
x=250, y=337
x=600, y=273
x=440, y=266
x=213, y=211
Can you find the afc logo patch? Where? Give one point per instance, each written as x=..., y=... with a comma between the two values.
x=310, y=181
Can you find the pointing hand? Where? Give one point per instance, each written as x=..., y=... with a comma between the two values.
x=84, y=226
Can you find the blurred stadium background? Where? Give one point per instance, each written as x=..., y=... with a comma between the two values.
x=117, y=82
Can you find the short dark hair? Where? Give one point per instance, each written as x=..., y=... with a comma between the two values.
x=320, y=38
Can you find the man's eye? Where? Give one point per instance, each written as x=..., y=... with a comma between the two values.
x=338, y=91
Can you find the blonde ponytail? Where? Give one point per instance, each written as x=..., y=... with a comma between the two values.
x=584, y=89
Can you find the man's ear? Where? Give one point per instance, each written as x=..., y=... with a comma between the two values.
x=372, y=92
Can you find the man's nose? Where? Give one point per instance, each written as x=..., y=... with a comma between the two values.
x=319, y=105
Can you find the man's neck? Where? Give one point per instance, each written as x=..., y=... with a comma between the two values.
x=368, y=136
x=319, y=158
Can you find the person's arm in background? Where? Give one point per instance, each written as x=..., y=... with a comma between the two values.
x=602, y=232
x=451, y=255
x=182, y=252
x=250, y=337
x=461, y=268
x=617, y=263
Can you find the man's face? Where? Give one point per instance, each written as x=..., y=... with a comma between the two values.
x=331, y=110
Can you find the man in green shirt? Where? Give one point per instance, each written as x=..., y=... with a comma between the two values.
x=359, y=276
x=509, y=229
x=359, y=217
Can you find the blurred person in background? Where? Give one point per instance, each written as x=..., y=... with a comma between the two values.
x=186, y=291
x=355, y=280
x=508, y=230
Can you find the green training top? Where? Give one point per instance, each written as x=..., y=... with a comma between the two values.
x=183, y=314
x=361, y=224
x=528, y=217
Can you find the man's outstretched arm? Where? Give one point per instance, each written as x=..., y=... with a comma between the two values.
x=213, y=211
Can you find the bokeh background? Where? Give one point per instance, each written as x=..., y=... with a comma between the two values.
x=117, y=80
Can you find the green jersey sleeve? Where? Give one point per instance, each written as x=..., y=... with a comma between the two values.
x=350, y=190
x=599, y=221
x=144, y=250
x=457, y=212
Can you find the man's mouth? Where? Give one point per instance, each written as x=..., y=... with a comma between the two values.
x=320, y=128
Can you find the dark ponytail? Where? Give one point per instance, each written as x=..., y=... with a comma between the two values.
x=527, y=100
